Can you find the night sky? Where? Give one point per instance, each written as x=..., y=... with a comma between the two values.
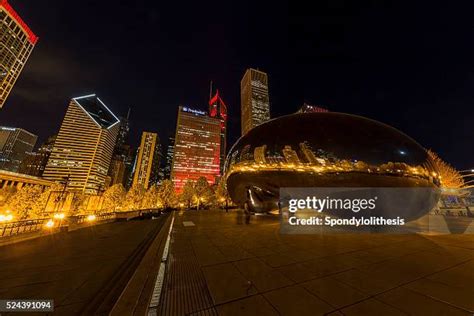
x=409, y=66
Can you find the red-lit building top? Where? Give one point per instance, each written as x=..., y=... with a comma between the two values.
x=308, y=108
x=218, y=109
x=31, y=36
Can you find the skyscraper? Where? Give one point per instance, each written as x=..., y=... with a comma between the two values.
x=254, y=99
x=148, y=161
x=197, y=147
x=218, y=109
x=122, y=160
x=35, y=162
x=169, y=158
x=15, y=145
x=84, y=145
x=16, y=44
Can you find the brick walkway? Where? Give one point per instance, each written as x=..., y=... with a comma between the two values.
x=223, y=265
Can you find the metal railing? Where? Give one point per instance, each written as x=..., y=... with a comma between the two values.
x=21, y=227
x=79, y=219
x=34, y=225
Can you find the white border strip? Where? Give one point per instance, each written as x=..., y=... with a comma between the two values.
x=155, y=298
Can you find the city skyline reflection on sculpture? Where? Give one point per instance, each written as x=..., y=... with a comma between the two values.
x=326, y=150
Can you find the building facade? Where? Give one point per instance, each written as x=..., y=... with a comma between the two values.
x=218, y=109
x=148, y=161
x=255, y=102
x=15, y=145
x=122, y=158
x=197, y=147
x=168, y=161
x=16, y=44
x=84, y=146
x=35, y=162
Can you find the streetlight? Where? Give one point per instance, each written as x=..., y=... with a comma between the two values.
x=59, y=215
x=49, y=224
x=6, y=217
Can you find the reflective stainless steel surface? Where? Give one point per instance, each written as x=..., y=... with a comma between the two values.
x=323, y=150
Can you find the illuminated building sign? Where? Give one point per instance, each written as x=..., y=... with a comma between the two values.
x=197, y=112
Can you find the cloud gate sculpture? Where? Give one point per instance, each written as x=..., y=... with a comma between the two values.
x=323, y=150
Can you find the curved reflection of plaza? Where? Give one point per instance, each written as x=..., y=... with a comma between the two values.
x=326, y=150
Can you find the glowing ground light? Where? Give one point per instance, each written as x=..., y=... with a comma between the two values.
x=6, y=218
x=59, y=216
x=49, y=224
x=91, y=218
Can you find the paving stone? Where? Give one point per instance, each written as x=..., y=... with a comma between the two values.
x=299, y=272
x=460, y=297
x=363, y=282
x=295, y=300
x=414, y=303
x=260, y=251
x=261, y=275
x=335, y=274
x=334, y=292
x=251, y=306
x=234, y=253
x=371, y=307
x=460, y=276
x=226, y=283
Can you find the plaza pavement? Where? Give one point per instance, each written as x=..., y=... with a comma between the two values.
x=221, y=264
x=83, y=271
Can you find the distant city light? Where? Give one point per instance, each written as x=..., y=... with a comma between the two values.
x=91, y=218
x=49, y=224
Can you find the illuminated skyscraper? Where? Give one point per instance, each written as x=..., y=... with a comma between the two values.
x=122, y=160
x=148, y=161
x=218, y=109
x=169, y=158
x=290, y=155
x=16, y=44
x=197, y=147
x=84, y=145
x=15, y=145
x=35, y=162
x=254, y=99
